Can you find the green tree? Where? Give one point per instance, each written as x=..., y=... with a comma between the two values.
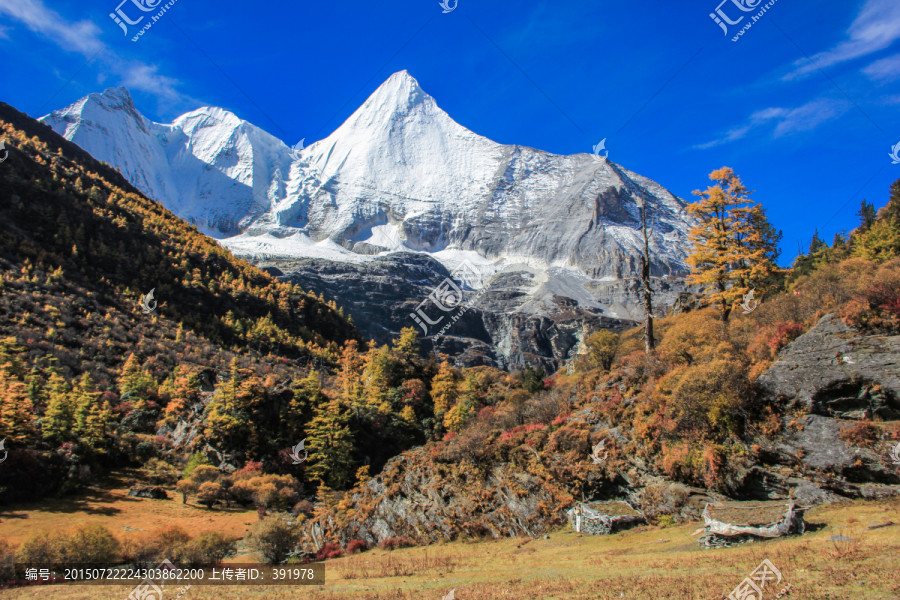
x=330, y=444
x=135, y=383
x=866, y=214
x=881, y=242
x=533, y=379
x=59, y=419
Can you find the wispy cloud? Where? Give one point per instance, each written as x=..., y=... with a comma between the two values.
x=83, y=37
x=886, y=69
x=876, y=27
x=80, y=36
x=786, y=120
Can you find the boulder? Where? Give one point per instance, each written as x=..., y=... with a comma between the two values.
x=834, y=371
x=147, y=491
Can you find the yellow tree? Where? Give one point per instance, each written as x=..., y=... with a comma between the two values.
x=407, y=344
x=444, y=389
x=59, y=419
x=735, y=247
x=16, y=410
x=350, y=377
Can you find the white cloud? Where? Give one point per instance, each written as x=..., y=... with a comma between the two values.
x=876, y=27
x=787, y=120
x=84, y=37
x=809, y=116
x=886, y=69
x=81, y=36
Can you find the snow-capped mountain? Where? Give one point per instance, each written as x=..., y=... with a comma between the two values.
x=399, y=174
x=208, y=166
x=555, y=238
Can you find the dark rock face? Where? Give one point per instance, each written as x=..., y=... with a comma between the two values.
x=512, y=322
x=833, y=371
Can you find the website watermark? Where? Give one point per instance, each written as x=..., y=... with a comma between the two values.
x=297, y=149
x=895, y=454
x=6, y=152
x=445, y=4
x=895, y=154
x=751, y=588
x=5, y=451
x=749, y=304
x=122, y=20
x=448, y=297
x=148, y=588
x=722, y=19
x=295, y=453
x=595, y=453
x=145, y=303
x=601, y=147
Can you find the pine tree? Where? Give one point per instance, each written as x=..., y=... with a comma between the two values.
x=16, y=410
x=866, y=214
x=407, y=345
x=84, y=396
x=881, y=242
x=350, y=376
x=457, y=417
x=444, y=389
x=59, y=419
x=735, y=247
x=330, y=443
x=134, y=382
x=378, y=374
x=816, y=244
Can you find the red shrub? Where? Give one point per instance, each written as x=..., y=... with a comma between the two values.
x=450, y=435
x=561, y=419
x=486, y=413
x=329, y=550
x=248, y=471
x=356, y=546
x=509, y=433
x=785, y=333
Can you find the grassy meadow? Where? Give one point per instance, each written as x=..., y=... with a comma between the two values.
x=645, y=562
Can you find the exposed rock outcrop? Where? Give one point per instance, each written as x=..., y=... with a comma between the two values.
x=834, y=371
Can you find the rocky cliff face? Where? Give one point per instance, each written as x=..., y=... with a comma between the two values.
x=517, y=318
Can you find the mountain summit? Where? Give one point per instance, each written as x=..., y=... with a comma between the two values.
x=398, y=174
x=208, y=166
x=556, y=239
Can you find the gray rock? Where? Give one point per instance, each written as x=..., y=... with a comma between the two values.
x=833, y=371
x=146, y=491
x=521, y=317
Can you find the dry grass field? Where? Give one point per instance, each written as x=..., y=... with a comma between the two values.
x=109, y=505
x=644, y=563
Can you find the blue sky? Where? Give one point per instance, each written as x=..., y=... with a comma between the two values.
x=674, y=97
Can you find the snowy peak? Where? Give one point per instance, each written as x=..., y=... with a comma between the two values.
x=398, y=174
x=208, y=166
x=400, y=96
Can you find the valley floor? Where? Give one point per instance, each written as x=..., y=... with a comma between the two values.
x=644, y=563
